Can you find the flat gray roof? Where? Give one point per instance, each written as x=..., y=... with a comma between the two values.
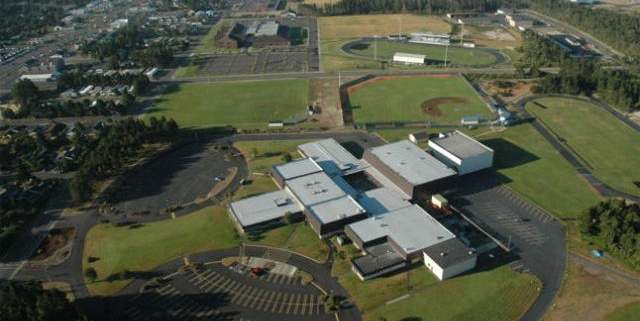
x=461, y=145
x=411, y=228
x=297, y=168
x=336, y=209
x=267, y=28
x=264, y=207
x=314, y=188
x=381, y=200
x=412, y=163
x=331, y=156
x=449, y=252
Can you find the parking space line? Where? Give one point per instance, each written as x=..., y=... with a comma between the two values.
x=284, y=301
x=238, y=293
x=247, y=296
x=276, y=301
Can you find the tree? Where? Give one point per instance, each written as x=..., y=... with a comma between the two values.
x=28, y=301
x=91, y=274
x=286, y=158
x=24, y=173
x=287, y=218
x=24, y=92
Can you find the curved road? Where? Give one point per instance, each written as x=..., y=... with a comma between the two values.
x=602, y=188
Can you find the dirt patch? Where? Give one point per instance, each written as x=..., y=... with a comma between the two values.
x=590, y=295
x=224, y=183
x=324, y=94
x=431, y=107
x=55, y=240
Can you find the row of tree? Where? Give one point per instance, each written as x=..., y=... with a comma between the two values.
x=128, y=43
x=28, y=301
x=615, y=226
x=540, y=51
x=116, y=144
x=619, y=88
x=618, y=29
x=344, y=7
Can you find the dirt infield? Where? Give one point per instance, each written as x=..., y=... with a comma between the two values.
x=354, y=88
x=431, y=106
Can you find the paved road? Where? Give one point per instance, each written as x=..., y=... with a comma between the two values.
x=602, y=188
x=537, y=239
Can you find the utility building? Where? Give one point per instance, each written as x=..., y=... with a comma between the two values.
x=464, y=153
x=409, y=59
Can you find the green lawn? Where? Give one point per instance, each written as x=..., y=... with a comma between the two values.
x=534, y=169
x=436, y=54
x=628, y=312
x=400, y=99
x=143, y=248
x=606, y=144
x=496, y=295
x=250, y=104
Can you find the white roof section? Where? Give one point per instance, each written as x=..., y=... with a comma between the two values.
x=412, y=163
x=331, y=156
x=336, y=210
x=264, y=207
x=384, y=180
x=411, y=228
x=297, y=168
x=398, y=55
x=382, y=200
x=460, y=145
x=268, y=28
x=314, y=188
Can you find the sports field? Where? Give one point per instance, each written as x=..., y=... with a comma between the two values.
x=441, y=99
x=604, y=144
x=240, y=104
x=626, y=313
x=338, y=30
x=384, y=50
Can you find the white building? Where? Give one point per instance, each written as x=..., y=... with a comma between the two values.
x=583, y=1
x=464, y=153
x=430, y=38
x=449, y=258
x=409, y=59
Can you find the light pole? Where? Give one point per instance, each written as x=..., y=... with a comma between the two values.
x=446, y=52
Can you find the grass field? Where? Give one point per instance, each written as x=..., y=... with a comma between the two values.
x=629, y=312
x=498, y=294
x=605, y=144
x=435, y=54
x=533, y=168
x=240, y=104
x=140, y=249
x=338, y=30
x=400, y=99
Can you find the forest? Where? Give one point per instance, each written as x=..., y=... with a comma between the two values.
x=540, y=51
x=117, y=143
x=28, y=301
x=418, y=6
x=615, y=226
x=619, y=88
x=618, y=29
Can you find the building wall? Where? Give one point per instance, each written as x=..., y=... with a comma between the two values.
x=276, y=177
x=325, y=230
x=449, y=271
x=379, y=273
x=464, y=166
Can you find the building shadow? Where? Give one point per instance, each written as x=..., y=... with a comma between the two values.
x=509, y=155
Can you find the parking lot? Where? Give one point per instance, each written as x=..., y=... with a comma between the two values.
x=536, y=238
x=216, y=292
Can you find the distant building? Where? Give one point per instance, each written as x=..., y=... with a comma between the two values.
x=419, y=137
x=430, y=38
x=408, y=59
x=119, y=23
x=584, y=1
